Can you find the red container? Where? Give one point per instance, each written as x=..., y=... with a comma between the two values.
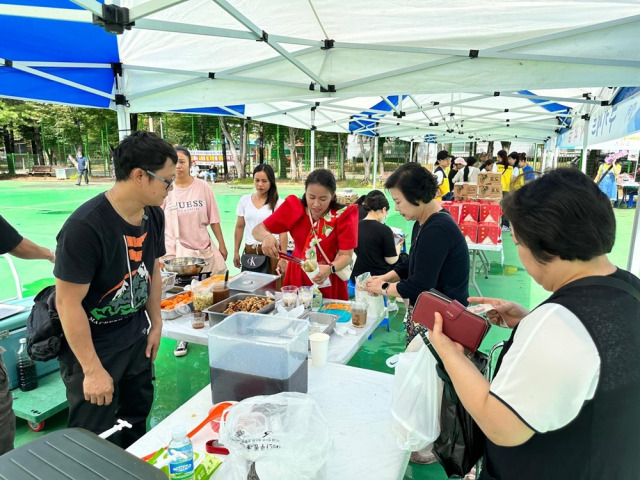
x=490, y=212
x=470, y=231
x=453, y=208
x=469, y=212
x=489, y=233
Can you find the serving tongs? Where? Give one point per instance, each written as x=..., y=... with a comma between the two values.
x=291, y=258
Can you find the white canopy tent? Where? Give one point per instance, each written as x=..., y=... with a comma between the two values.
x=365, y=66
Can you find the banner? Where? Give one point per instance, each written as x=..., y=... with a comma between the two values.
x=621, y=120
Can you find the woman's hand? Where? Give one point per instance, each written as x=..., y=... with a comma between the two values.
x=504, y=313
x=236, y=260
x=281, y=268
x=374, y=285
x=223, y=251
x=270, y=246
x=443, y=344
x=325, y=271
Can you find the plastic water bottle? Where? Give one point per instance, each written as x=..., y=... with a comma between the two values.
x=181, y=453
x=27, y=373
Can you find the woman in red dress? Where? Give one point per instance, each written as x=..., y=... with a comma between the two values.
x=335, y=226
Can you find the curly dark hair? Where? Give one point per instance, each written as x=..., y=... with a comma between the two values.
x=416, y=183
x=562, y=214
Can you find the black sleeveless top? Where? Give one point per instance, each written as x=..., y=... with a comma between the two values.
x=603, y=441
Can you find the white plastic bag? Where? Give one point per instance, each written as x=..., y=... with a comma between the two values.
x=375, y=303
x=417, y=395
x=286, y=435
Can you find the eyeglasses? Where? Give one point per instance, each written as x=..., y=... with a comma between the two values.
x=168, y=182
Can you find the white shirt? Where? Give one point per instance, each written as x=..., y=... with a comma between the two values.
x=473, y=175
x=551, y=369
x=194, y=171
x=253, y=216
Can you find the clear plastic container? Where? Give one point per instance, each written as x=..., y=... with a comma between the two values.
x=253, y=354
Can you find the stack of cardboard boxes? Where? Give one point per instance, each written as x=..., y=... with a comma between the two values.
x=479, y=221
x=490, y=186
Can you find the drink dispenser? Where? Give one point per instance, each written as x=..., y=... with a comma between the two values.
x=253, y=354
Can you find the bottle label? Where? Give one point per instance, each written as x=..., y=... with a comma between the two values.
x=181, y=466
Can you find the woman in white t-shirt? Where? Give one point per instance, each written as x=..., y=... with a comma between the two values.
x=564, y=399
x=254, y=209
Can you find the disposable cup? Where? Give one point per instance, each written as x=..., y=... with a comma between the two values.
x=311, y=275
x=319, y=348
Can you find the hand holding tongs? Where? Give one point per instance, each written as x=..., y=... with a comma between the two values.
x=291, y=258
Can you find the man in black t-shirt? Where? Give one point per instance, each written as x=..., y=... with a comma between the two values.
x=18, y=246
x=108, y=291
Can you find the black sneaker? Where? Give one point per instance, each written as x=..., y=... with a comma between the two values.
x=181, y=349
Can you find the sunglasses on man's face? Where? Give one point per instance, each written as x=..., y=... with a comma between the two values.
x=168, y=182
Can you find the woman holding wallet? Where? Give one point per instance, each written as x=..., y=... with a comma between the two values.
x=322, y=229
x=438, y=257
x=563, y=402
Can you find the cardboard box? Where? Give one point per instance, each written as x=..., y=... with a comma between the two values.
x=493, y=192
x=489, y=234
x=469, y=212
x=470, y=231
x=490, y=212
x=489, y=178
x=465, y=191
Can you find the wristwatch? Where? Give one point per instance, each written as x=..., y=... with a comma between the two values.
x=333, y=269
x=384, y=287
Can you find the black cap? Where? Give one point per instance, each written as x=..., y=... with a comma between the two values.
x=443, y=155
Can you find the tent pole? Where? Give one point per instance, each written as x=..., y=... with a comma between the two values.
x=556, y=151
x=124, y=122
x=583, y=164
x=633, y=264
x=313, y=151
x=411, y=151
x=375, y=160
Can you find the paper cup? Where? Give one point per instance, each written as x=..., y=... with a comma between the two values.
x=326, y=283
x=319, y=348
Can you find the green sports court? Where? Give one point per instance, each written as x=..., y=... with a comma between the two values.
x=38, y=208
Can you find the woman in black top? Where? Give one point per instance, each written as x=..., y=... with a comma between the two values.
x=438, y=258
x=376, y=250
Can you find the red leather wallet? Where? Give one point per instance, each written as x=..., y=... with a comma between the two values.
x=459, y=324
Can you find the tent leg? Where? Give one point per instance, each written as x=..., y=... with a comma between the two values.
x=313, y=151
x=633, y=264
x=583, y=164
x=375, y=160
x=124, y=122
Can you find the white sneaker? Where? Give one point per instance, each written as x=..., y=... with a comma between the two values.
x=181, y=349
x=505, y=228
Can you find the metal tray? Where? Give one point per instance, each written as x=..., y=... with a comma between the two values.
x=214, y=312
x=320, y=322
x=252, y=282
x=176, y=312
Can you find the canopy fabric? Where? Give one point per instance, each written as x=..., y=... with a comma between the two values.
x=330, y=64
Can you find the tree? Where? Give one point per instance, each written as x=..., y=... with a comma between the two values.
x=343, y=145
x=293, y=168
x=239, y=156
x=366, y=157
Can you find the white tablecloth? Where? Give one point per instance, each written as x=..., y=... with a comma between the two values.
x=356, y=404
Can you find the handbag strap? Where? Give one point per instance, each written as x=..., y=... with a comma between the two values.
x=605, y=174
x=606, y=281
x=315, y=235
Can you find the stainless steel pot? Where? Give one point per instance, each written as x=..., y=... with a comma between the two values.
x=185, y=266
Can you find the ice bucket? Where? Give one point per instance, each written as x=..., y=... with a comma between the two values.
x=254, y=354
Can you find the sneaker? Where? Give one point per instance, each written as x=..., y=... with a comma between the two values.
x=505, y=228
x=422, y=458
x=181, y=349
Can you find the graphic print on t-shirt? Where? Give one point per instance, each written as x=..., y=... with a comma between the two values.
x=131, y=293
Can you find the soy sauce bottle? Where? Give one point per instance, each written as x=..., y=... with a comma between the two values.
x=27, y=373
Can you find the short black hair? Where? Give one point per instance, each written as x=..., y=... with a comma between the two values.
x=376, y=201
x=323, y=177
x=562, y=214
x=144, y=150
x=442, y=155
x=415, y=182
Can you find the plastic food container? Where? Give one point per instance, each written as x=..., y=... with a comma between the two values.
x=215, y=312
x=168, y=281
x=320, y=322
x=252, y=282
x=255, y=354
x=174, y=313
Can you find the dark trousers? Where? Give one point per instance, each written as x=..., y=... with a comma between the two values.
x=132, y=396
x=84, y=172
x=7, y=417
x=505, y=220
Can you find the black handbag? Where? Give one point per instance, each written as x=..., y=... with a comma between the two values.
x=252, y=262
x=44, y=330
x=461, y=442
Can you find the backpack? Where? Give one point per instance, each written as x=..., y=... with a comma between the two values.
x=44, y=330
